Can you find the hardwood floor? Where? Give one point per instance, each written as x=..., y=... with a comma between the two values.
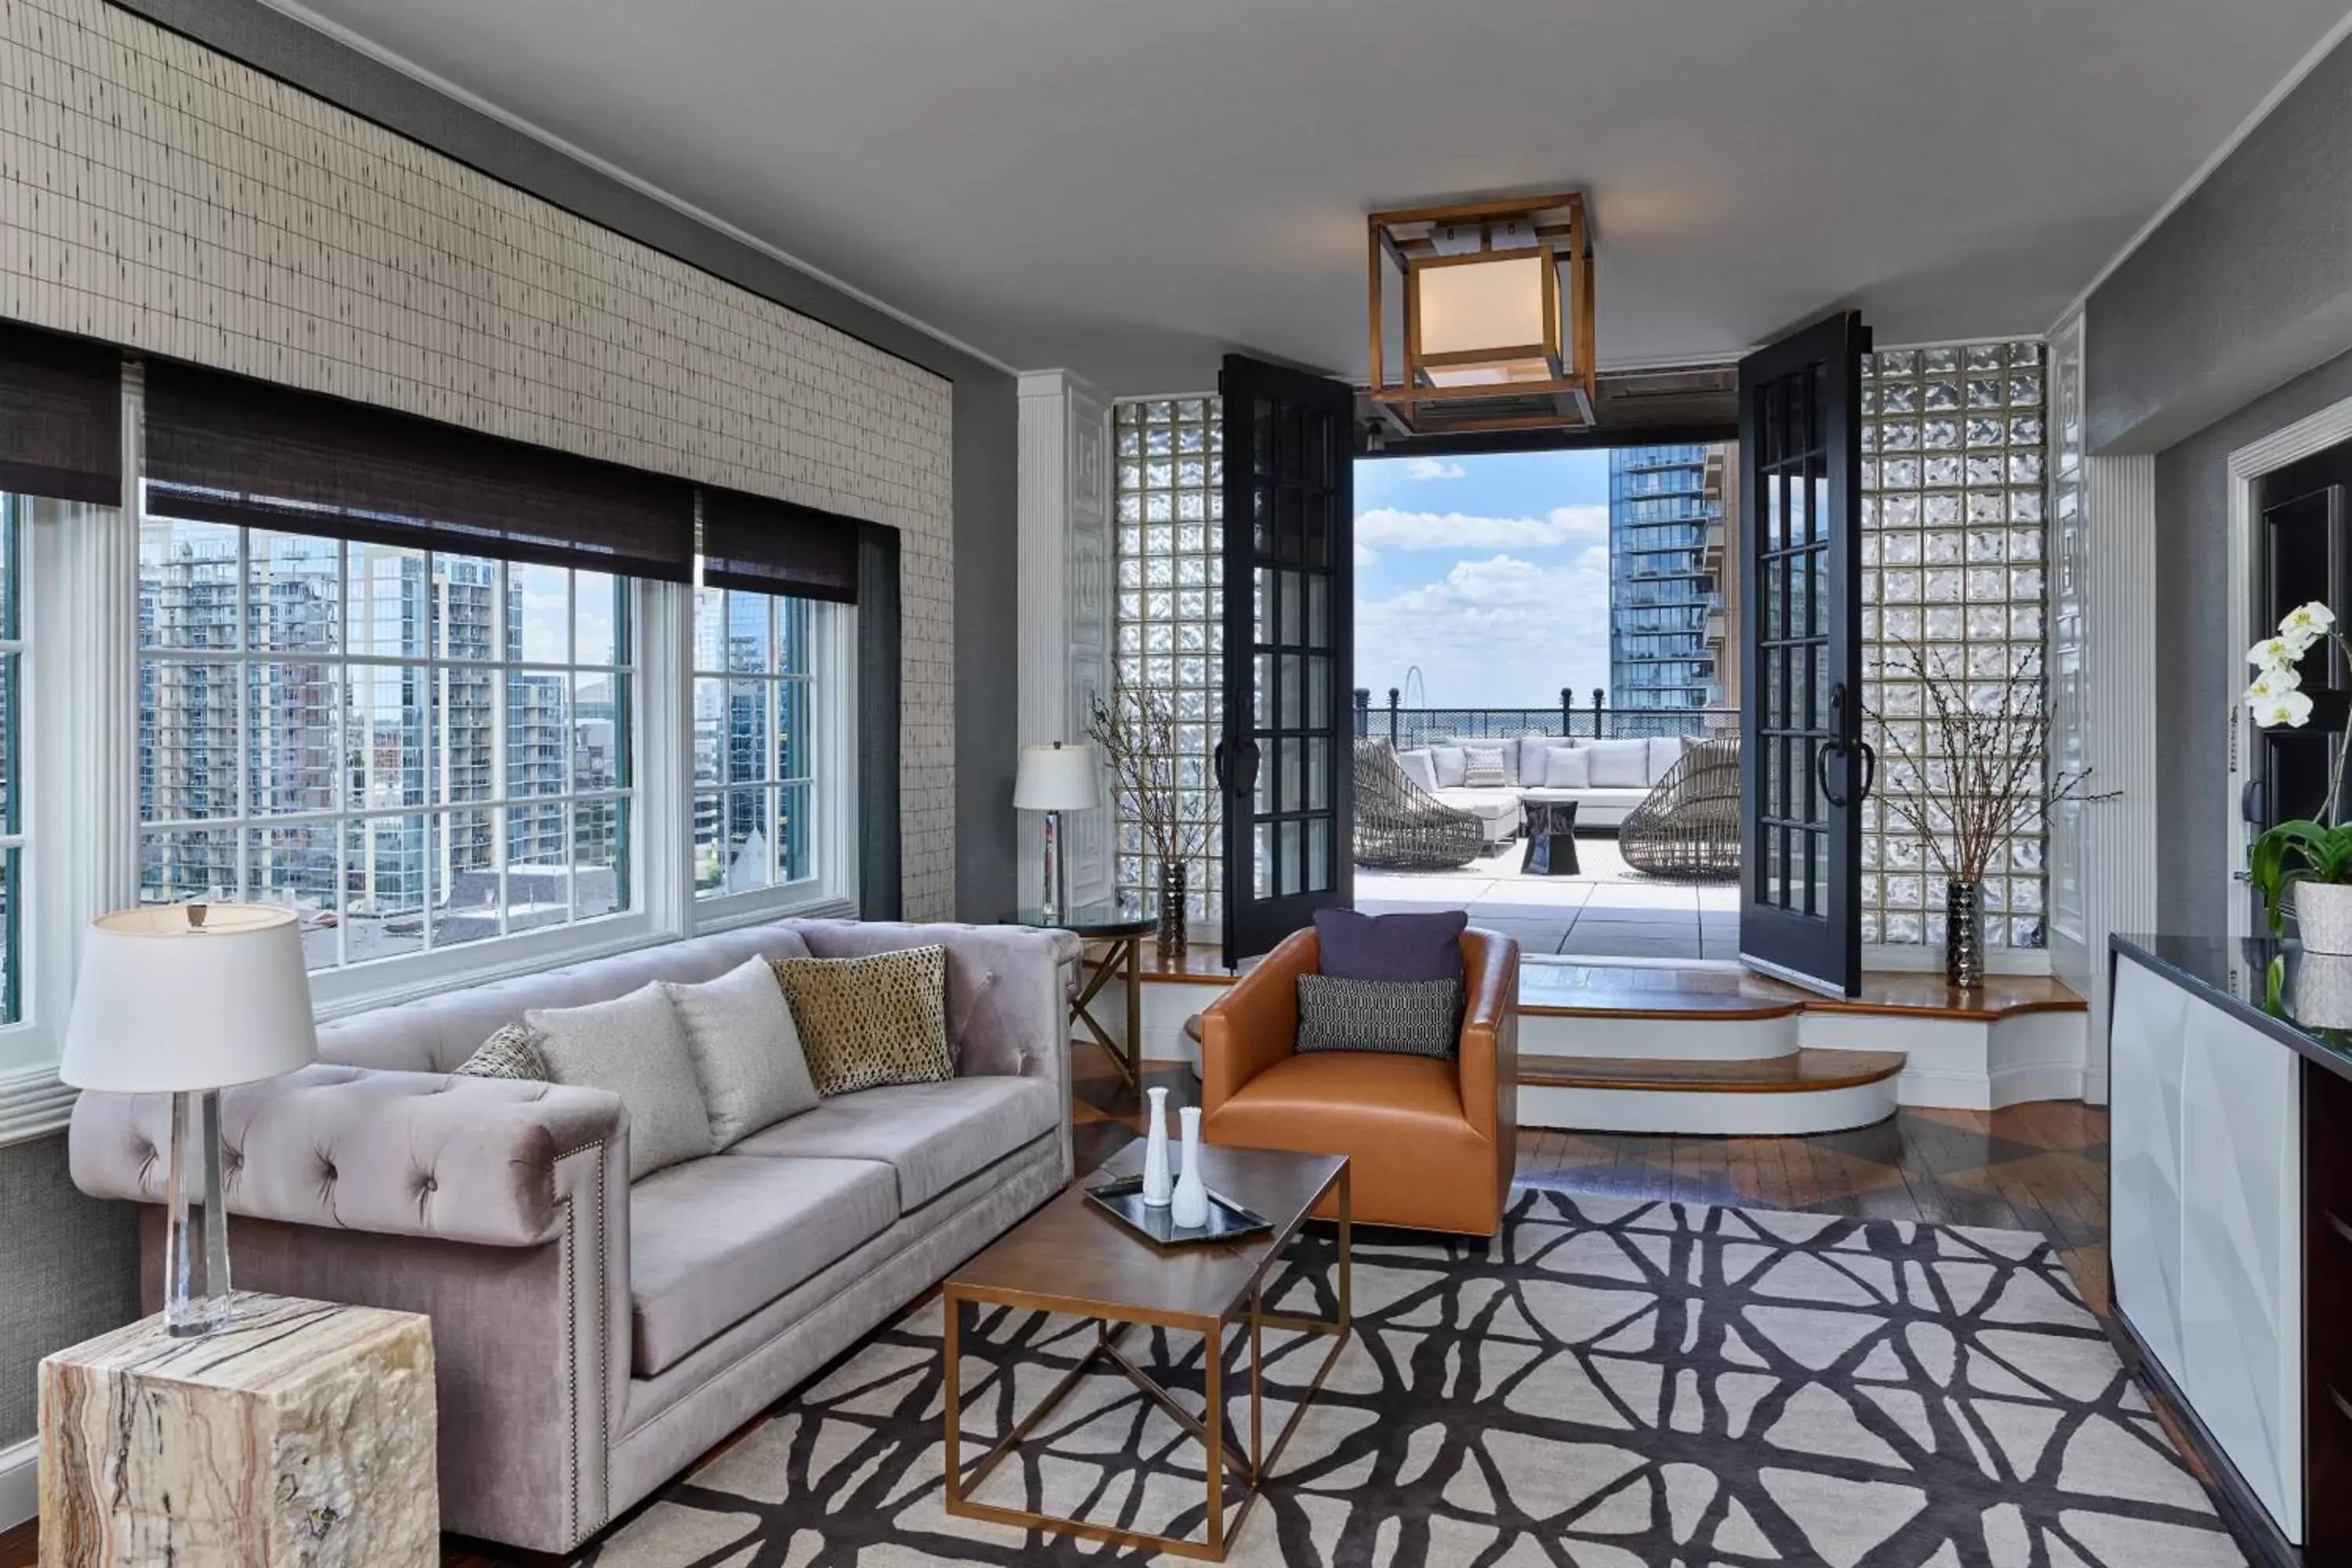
x=2040, y=1167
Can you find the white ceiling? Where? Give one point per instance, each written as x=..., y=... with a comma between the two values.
x=1129, y=187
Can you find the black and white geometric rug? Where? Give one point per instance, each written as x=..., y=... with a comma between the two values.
x=1610, y=1384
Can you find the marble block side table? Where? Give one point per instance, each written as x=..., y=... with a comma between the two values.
x=303, y=1433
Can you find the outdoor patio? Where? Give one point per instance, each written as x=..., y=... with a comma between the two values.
x=1606, y=911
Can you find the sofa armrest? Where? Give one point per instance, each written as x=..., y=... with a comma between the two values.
x=1255, y=1022
x=394, y=1153
x=1489, y=1051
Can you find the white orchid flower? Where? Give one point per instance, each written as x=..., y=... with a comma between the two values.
x=2307, y=623
x=2272, y=683
x=2292, y=709
x=2276, y=653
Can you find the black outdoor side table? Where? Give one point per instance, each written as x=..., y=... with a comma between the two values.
x=1551, y=838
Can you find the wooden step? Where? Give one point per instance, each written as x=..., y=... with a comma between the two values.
x=1801, y=1072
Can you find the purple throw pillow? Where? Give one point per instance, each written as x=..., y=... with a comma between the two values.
x=1390, y=947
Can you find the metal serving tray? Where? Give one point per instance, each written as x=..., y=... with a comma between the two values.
x=1121, y=1197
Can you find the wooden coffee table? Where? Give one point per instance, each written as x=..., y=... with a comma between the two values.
x=1069, y=1257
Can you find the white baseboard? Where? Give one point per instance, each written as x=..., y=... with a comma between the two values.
x=20, y=1496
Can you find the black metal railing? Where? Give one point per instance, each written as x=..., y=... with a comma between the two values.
x=1406, y=727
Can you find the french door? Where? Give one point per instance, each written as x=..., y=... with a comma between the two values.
x=1804, y=767
x=2303, y=546
x=1283, y=759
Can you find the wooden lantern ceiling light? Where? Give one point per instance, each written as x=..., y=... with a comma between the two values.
x=1495, y=317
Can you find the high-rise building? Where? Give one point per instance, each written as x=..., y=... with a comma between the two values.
x=1669, y=598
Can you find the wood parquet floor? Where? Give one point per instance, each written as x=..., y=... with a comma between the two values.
x=2040, y=1167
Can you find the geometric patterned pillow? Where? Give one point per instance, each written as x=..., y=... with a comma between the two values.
x=1482, y=767
x=512, y=1051
x=1405, y=1017
x=866, y=1022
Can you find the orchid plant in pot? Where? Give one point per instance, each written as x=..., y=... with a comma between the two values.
x=2312, y=856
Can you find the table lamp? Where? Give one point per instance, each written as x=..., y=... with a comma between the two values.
x=1055, y=777
x=186, y=1000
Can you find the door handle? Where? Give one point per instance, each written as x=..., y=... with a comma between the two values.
x=1235, y=767
x=2254, y=804
x=1847, y=746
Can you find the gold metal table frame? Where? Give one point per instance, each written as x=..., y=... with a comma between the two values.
x=1252, y=1468
x=1122, y=957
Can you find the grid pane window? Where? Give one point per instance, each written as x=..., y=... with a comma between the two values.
x=414, y=750
x=754, y=763
x=1953, y=548
x=1169, y=494
x=12, y=826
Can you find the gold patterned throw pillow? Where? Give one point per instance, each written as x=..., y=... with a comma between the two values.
x=511, y=1051
x=867, y=1022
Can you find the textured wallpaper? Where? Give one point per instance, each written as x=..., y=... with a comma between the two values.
x=159, y=195
x=69, y=1269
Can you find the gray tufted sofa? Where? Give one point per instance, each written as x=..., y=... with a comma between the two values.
x=593, y=1338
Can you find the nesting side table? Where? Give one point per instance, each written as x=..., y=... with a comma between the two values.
x=301, y=1434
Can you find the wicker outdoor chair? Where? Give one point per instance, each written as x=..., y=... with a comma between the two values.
x=1401, y=827
x=1689, y=825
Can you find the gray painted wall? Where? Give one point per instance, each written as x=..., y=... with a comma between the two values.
x=2246, y=284
x=986, y=408
x=2198, y=676
x=69, y=1269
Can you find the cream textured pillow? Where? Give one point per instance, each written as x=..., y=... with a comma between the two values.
x=747, y=1054
x=866, y=1022
x=1482, y=767
x=635, y=1046
x=511, y=1051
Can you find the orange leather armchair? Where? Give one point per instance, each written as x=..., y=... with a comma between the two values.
x=1430, y=1143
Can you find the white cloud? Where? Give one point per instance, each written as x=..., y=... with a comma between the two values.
x=1462, y=531
x=1365, y=554
x=1498, y=632
x=1433, y=468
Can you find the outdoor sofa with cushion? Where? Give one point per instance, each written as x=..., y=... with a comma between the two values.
x=594, y=1336
x=1607, y=779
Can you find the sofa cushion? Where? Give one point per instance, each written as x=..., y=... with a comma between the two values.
x=634, y=1047
x=933, y=1134
x=1482, y=768
x=1619, y=764
x=1568, y=767
x=747, y=1054
x=714, y=1241
x=1534, y=751
x=1420, y=767
x=1451, y=766
x=1665, y=751
x=869, y=1021
x=1352, y=945
x=1487, y=805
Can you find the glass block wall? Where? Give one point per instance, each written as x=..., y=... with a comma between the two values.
x=1171, y=508
x=1952, y=550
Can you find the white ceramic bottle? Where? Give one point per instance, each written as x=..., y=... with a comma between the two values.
x=1156, y=1183
x=1189, y=1206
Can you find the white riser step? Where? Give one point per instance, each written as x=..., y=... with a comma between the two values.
x=1697, y=1038
x=1705, y=1113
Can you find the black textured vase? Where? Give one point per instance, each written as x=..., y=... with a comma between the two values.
x=1963, y=935
x=1170, y=935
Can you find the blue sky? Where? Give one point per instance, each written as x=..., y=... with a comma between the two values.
x=1489, y=572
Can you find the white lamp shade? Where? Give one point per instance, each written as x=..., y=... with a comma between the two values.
x=165, y=1005
x=1056, y=777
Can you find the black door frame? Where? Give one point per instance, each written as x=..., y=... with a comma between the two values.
x=1290, y=445
x=1804, y=766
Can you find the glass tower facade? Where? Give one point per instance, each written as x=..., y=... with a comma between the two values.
x=1664, y=501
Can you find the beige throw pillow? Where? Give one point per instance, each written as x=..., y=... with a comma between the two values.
x=747, y=1054
x=635, y=1046
x=867, y=1022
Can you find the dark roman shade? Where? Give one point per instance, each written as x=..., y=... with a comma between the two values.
x=226, y=449
x=766, y=546
x=60, y=417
